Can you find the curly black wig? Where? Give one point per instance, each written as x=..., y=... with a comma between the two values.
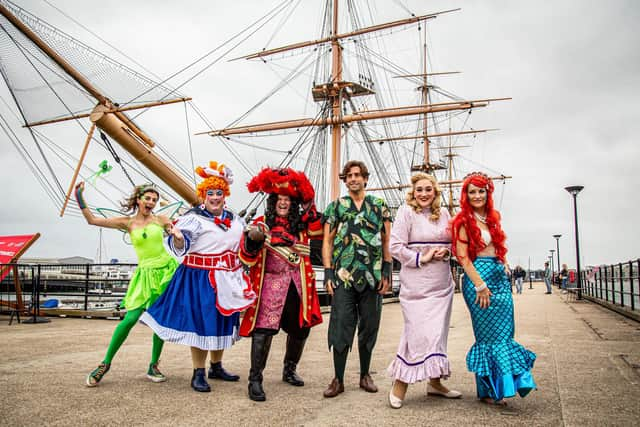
x=295, y=221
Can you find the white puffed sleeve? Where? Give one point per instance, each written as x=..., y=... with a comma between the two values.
x=191, y=228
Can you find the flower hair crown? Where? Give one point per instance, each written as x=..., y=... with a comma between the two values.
x=489, y=186
x=478, y=174
x=148, y=187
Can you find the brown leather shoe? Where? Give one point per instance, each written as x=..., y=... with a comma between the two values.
x=367, y=384
x=334, y=389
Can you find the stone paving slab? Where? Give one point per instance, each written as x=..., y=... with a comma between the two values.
x=587, y=373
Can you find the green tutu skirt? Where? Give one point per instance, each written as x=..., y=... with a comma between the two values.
x=149, y=281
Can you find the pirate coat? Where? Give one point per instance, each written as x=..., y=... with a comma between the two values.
x=296, y=255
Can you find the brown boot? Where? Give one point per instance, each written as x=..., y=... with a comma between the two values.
x=366, y=382
x=334, y=389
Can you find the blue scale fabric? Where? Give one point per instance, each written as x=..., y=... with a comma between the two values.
x=502, y=366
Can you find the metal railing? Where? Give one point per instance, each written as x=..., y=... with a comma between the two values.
x=616, y=284
x=85, y=289
x=26, y=287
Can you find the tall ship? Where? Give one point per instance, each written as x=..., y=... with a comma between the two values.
x=364, y=86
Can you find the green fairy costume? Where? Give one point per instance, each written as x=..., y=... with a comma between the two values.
x=155, y=267
x=150, y=279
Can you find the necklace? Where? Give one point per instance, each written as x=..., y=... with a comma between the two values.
x=144, y=229
x=482, y=219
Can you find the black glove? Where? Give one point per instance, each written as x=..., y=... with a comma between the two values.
x=386, y=270
x=329, y=278
x=255, y=234
x=253, y=240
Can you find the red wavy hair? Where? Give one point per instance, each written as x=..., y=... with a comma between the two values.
x=465, y=218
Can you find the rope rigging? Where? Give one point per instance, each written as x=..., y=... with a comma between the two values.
x=275, y=11
x=115, y=156
x=20, y=109
x=389, y=160
x=31, y=164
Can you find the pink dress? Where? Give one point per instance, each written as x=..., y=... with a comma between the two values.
x=426, y=294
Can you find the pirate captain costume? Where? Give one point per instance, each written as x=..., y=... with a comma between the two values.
x=201, y=305
x=281, y=272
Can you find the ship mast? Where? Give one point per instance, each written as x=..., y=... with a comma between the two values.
x=424, y=89
x=450, y=157
x=112, y=120
x=334, y=96
x=333, y=92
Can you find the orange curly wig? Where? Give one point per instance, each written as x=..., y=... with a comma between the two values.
x=216, y=176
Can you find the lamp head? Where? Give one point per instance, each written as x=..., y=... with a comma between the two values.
x=557, y=236
x=574, y=189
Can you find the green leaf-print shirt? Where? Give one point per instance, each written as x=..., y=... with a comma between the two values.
x=357, y=246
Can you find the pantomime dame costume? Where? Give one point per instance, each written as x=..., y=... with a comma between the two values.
x=202, y=304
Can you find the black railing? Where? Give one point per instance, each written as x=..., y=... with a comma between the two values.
x=84, y=288
x=29, y=287
x=615, y=284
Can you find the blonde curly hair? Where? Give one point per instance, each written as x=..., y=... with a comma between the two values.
x=435, y=204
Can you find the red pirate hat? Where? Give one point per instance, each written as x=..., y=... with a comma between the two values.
x=284, y=181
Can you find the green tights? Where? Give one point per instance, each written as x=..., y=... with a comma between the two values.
x=121, y=333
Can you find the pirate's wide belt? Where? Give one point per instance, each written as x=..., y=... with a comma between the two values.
x=291, y=254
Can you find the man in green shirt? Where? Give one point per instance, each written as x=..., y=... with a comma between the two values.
x=357, y=272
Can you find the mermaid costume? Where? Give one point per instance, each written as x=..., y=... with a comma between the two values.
x=502, y=367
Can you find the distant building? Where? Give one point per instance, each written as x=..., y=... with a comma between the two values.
x=75, y=260
x=67, y=260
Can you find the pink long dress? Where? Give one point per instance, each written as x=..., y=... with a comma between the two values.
x=426, y=294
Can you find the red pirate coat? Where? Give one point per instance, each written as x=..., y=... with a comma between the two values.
x=309, y=314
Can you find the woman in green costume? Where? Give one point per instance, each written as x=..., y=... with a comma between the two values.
x=155, y=269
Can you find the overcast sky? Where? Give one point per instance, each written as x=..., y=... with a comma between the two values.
x=572, y=68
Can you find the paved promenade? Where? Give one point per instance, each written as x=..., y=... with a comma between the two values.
x=587, y=371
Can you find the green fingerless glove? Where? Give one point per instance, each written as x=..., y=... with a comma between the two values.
x=79, y=197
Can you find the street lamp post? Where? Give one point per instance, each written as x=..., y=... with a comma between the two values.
x=557, y=237
x=553, y=271
x=574, y=190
